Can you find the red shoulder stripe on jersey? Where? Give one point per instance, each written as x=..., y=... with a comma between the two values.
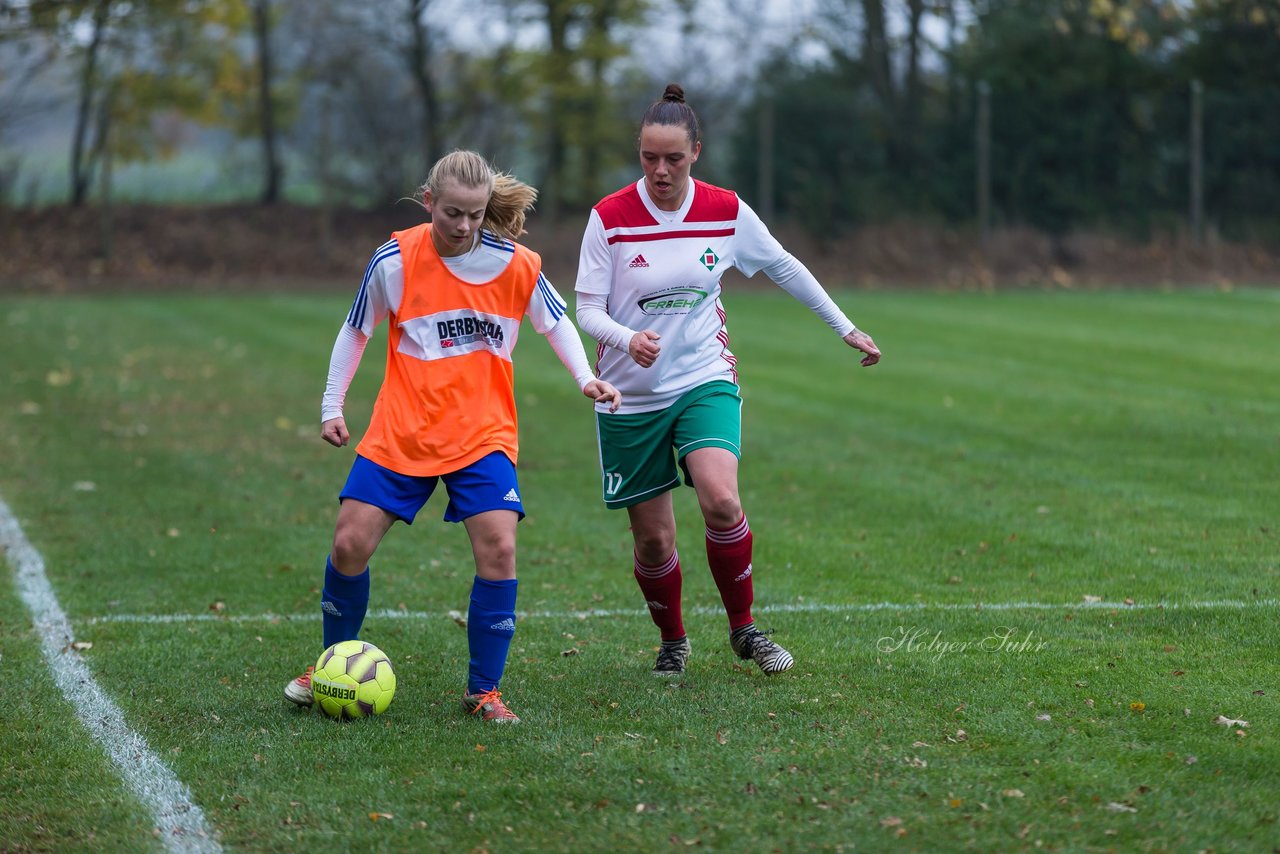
x=670, y=235
x=624, y=209
x=712, y=204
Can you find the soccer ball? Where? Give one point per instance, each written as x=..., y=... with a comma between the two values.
x=353, y=679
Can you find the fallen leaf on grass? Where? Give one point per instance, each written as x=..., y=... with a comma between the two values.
x=1013, y=793
x=720, y=739
x=917, y=762
x=374, y=816
x=573, y=650
x=891, y=821
x=1044, y=717
x=1137, y=707
x=1089, y=598
x=1223, y=720
x=1118, y=807
x=80, y=646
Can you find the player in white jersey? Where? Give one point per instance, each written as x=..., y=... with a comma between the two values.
x=649, y=292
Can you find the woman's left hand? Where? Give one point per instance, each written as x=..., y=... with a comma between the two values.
x=602, y=392
x=859, y=340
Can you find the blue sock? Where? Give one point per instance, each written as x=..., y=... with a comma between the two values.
x=491, y=623
x=343, y=604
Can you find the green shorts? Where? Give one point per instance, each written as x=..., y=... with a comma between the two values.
x=639, y=451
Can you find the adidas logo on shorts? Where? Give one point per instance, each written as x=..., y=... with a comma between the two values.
x=507, y=625
x=511, y=496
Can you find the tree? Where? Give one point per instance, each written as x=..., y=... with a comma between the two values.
x=136, y=62
x=1235, y=55
x=272, y=168
x=578, y=122
x=1074, y=87
x=421, y=55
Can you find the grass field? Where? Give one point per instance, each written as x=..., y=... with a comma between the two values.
x=1023, y=564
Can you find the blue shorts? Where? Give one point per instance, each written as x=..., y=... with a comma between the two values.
x=487, y=484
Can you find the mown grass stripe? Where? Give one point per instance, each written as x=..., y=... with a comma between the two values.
x=180, y=821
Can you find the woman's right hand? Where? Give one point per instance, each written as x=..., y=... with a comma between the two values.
x=644, y=348
x=334, y=431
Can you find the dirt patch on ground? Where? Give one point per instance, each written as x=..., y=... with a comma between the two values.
x=252, y=248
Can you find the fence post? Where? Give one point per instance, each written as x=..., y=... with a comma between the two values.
x=1196, y=157
x=983, y=141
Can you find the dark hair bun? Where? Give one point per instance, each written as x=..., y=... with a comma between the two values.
x=674, y=92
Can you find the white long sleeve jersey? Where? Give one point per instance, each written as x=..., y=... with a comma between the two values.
x=661, y=270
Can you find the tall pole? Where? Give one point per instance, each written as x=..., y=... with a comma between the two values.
x=1196, y=156
x=983, y=141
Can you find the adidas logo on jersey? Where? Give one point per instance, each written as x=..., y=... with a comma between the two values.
x=638, y=261
x=511, y=496
x=507, y=625
x=330, y=609
x=655, y=606
x=744, y=575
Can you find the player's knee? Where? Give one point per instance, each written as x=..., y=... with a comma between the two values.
x=721, y=511
x=654, y=547
x=351, y=550
x=496, y=558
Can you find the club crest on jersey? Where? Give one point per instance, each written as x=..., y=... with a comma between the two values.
x=638, y=261
x=673, y=301
x=709, y=258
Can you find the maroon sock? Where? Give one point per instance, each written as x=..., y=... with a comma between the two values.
x=661, y=588
x=729, y=556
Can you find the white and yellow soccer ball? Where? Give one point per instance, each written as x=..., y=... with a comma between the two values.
x=353, y=679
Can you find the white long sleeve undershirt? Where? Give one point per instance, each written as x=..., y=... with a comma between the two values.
x=347, y=350
x=564, y=339
x=794, y=278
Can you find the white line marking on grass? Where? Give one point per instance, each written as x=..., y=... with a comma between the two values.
x=180, y=821
x=788, y=608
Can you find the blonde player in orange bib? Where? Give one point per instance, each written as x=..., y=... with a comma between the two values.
x=454, y=291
